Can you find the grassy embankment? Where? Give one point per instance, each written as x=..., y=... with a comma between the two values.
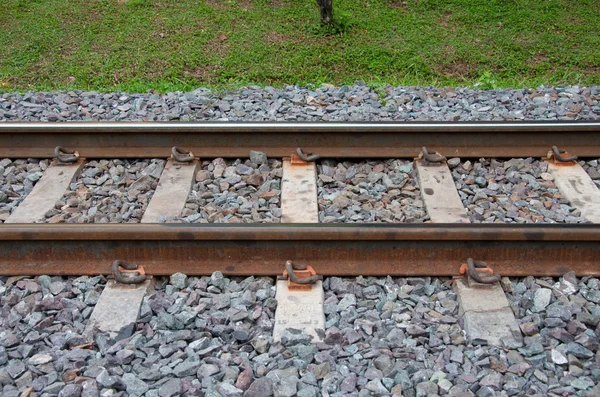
x=164, y=45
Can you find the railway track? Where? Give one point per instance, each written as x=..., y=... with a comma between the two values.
x=439, y=245
x=432, y=248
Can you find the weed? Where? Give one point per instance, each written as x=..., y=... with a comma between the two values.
x=139, y=3
x=379, y=89
x=340, y=26
x=487, y=81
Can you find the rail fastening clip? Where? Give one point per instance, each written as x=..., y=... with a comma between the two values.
x=431, y=157
x=65, y=155
x=181, y=156
x=477, y=269
x=308, y=157
x=559, y=156
x=300, y=277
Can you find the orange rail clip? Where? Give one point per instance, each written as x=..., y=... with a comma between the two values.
x=464, y=269
x=292, y=286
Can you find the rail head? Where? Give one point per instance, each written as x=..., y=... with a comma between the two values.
x=296, y=127
x=277, y=139
x=279, y=232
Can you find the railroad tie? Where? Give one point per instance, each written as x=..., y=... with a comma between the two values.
x=576, y=185
x=439, y=193
x=49, y=189
x=172, y=192
x=299, y=192
x=484, y=307
x=298, y=307
x=117, y=310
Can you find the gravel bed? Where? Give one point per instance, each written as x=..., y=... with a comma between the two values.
x=194, y=335
x=513, y=191
x=403, y=337
x=17, y=179
x=297, y=103
x=211, y=336
x=592, y=167
x=109, y=191
x=235, y=191
x=41, y=324
x=560, y=320
x=369, y=191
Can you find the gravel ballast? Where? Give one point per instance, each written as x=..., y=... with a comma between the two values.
x=109, y=191
x=17, y=179
x=42, y=350
x=296, y=103
x=211, y=336
x=369, y=191
x=511, y=191
x=235, y=191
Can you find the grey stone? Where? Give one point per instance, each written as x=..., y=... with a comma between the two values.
x=170, y=388
x=8, y=339
x=15, y=368
x=261, y=387
x=72, y=390
x=186, y=368
x=135, y=387
x=228, y=390
x=179, y=280
x=258, y=157
x=377, y=387
x=308, y=391
x=582, y=383
x=426, y=389
x=557, y=357
x=579, y=351
x=105, y=379
x=207, y=370
x=541, y=299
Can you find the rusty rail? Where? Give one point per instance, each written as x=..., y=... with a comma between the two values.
x=343, y=250
x=381, y=139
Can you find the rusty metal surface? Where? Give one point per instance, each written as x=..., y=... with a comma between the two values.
x=305, y=231
x=378, y=250
x=382, y=139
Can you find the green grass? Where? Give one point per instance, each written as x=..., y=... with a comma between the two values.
x=164, y=45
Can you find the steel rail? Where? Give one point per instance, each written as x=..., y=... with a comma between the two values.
x=343, y=250
x=352, y=140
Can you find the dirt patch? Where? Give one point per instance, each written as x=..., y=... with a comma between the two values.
x=536, y=60
x=228, y=4
x=455, y=69
x=274, y=37
x=446, y=21
x=592, y=70
x=398, y=4
x=218, y=46
x=202, y=74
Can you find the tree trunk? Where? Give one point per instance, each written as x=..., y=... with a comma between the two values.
x=326, y=8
